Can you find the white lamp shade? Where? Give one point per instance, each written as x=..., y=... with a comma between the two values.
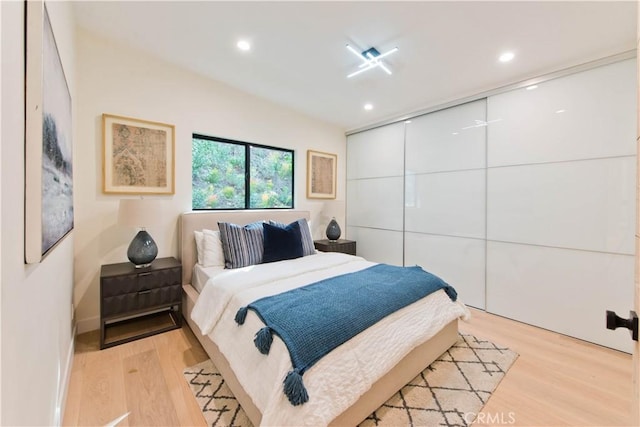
x=139, y=213
x=333, y=209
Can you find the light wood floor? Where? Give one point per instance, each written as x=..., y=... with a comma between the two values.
x=557, y=380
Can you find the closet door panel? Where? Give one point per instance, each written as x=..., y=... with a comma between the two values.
x=376, y=153
x=377, y=245
x=564, y=290
x=448, y=203
x=458, y=261
x=586, y=205
x=446, y=140
x=375, y=168
x=375, y=203
x=568, y=118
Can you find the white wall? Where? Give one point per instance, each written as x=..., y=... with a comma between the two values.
x=1, y=237
x=118, y=80
x=37, y=343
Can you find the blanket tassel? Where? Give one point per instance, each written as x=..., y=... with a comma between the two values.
x=241, y=315
x=263, y=340
x=294, y=388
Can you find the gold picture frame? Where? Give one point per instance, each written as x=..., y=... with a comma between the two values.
x=138, y=156
x=321, y=175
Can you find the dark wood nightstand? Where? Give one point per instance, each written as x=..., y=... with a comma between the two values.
x=139, y=302
x=340, y=245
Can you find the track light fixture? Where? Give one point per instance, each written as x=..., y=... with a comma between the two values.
x=371, y=59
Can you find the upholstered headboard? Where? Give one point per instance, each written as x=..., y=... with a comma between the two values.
x=192, y=221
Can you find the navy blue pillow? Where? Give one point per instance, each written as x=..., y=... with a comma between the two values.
x=281, y=243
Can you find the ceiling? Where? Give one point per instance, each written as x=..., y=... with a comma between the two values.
x=447, y=50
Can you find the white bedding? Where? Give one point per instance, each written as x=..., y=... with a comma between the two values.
x=339, y=378
x=201, y=275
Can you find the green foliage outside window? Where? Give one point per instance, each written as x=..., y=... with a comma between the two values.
x=271, y=178
x=219, y=178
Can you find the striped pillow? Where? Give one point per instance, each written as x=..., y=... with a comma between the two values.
x=308, y=247
x=242, y=245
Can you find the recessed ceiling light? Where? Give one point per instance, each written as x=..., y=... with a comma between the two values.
x=560, y=111
x=506, y=57
x=454, y=133
x=244, y=45
x=532, y=87
x=368, y=107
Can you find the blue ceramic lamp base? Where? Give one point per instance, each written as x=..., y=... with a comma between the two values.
x=333, y=230
x=142, y=250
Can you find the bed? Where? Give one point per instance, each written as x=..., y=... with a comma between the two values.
x=349, y=408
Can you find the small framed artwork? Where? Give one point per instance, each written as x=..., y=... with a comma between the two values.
x=138, y=156
x=321, y=175
x=48, y=146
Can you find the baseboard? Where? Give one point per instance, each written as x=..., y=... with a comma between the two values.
x=88, y=325
x=63, y=384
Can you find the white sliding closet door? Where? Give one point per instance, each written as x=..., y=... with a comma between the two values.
x=375, y=167
x=524, y=201
x=445, y=197
x=561, y=202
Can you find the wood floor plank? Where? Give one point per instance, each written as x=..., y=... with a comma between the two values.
x=136, y=347
x=147, y=395
x=102, y=389
x=74, y=392
x=171, y=351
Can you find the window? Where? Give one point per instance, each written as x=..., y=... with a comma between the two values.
x=230, y=174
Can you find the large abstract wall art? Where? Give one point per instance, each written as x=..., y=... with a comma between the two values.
x=48, y=140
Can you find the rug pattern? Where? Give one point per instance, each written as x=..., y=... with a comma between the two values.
x=449, y=392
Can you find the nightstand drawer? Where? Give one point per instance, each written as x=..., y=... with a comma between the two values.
x=141, y=300
x=143, y=281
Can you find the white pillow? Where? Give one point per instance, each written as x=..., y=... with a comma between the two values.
x=213, y=255
x=199, y=245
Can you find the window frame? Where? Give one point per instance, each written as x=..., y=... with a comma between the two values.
x=247, y=171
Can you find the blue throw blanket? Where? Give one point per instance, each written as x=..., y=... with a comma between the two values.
x=315, y=319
